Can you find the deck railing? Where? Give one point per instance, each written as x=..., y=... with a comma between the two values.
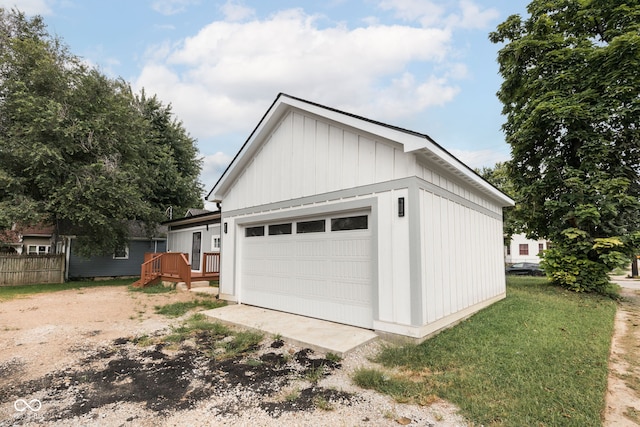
x=150, y=268
x=156, y=265
x=211, y=263
x=177, y=264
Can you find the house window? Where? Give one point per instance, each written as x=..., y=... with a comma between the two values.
x=524, y=249
x=121, y=252
x=38, y=249
x=254, y=231
x=215, y=243
x=540, y=248
x=508, y=249
x=279, y=229
x=317, y=226
x=350, y=223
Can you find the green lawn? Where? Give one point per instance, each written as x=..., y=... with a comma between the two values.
x=537, y=358
x=9, y=292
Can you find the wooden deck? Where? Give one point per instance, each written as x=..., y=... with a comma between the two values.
x=175, y=267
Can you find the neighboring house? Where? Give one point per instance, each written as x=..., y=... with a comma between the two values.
x=522, y=249
x=123, y=262
x=37, y=239
x=195, y=234
x=334, y=216
x=27, y=240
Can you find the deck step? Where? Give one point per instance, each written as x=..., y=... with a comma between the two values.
x=194, y=284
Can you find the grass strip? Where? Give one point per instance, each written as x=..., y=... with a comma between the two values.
x=539, y=357
x=177, y=309
x=215, y=339
x=10, y=292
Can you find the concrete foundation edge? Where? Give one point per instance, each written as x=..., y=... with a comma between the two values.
x=416, y=334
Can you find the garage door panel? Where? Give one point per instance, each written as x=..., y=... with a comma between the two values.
x=325, y=275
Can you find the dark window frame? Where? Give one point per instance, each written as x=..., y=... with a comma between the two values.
x=313, y=226
x=257, y=231
x=349, y=223
x=280, y=229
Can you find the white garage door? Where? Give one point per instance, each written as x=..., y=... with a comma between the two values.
x=318, y=267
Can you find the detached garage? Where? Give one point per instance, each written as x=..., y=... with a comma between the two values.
x=331, y=215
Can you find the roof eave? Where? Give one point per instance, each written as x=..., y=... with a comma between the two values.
x=411, y=142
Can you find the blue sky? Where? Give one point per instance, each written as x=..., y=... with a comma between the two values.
x=425, y=65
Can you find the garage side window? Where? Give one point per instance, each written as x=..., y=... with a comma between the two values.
x=279, y=229
x=254, y=231
x=310, y=226
x=350, y=223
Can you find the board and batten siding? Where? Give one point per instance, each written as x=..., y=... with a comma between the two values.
x=182, y=240
x=462, y=256
x=440, y=178
x=321, y=157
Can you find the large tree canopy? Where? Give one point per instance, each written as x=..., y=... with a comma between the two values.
x=499, y=176
x=79, y=148
x=571, y=99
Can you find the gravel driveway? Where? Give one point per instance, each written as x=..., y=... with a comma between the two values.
x=96, y=356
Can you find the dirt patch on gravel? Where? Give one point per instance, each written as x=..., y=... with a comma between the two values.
x=98, y=356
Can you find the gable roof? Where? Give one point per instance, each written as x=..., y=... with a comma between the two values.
x=37, y=230
x=413, y=142
x=195, y=211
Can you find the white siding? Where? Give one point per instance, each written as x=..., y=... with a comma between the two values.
x=304, y=156
x=182, y=240
x=436, y=175
x=462, y=256
x=394, y=280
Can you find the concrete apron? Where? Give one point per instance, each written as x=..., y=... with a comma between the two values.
x=319, y=335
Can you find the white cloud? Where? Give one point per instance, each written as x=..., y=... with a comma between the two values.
x=472, y=17
x=480, y=158
x=222, y=79
x=29, y=7
x=429, y=13
x=426, y=12
x=171, y=7
x=212, y=167
x=235, y=11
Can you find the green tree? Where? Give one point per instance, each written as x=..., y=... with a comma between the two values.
x=79, y=148
x=499, y=177
x=572, y=106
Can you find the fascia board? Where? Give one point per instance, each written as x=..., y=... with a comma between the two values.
x=455, y=166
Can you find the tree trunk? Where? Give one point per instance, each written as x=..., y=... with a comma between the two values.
x=634, y=266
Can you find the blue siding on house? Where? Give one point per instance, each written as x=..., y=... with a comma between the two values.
x=106, y=266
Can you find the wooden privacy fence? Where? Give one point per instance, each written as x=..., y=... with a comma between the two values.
x=31, y=269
